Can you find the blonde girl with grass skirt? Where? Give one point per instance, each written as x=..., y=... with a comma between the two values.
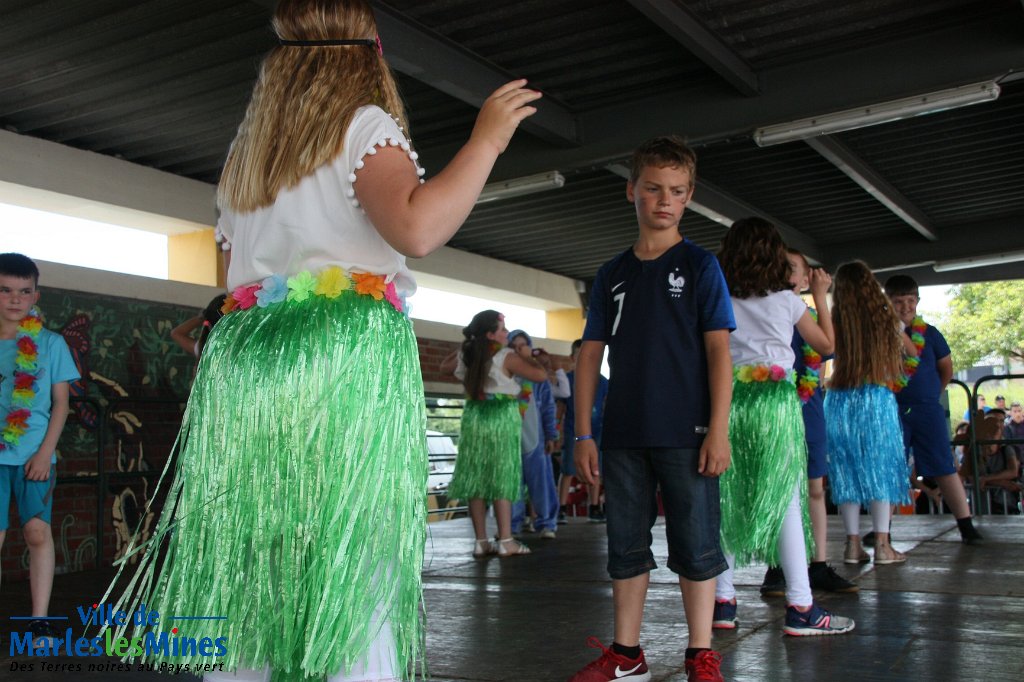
x=764, y=492
x=489, y=466
x=295, y=515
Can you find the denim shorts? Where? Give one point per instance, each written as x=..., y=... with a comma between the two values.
x=33, y=498
x=692, y=514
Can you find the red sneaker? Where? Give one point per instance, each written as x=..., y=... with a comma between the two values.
x=611, y=666
x=704, y=667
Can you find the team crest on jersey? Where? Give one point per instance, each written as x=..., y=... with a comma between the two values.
x=675, y=284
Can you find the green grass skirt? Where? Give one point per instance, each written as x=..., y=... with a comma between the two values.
x=489, y=465
x=769, y=459
x=298, y=500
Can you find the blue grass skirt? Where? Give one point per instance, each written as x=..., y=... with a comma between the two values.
x=297, y=504
x=866, y=460
x=489, y=465
x=769, y=460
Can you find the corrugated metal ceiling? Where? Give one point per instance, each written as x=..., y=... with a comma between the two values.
x=164, y=83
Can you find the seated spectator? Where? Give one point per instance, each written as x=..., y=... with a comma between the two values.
x=1015, y=428
x=982, y=406
x=1001, y=404
x=960, y=437
x=998, y=468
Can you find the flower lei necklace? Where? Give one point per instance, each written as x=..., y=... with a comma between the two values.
x=747, y=374
x=26, y=368
x=330, y=282
x=910, y=363
x=811, y=377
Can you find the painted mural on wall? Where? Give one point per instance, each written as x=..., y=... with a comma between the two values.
x=126, y=410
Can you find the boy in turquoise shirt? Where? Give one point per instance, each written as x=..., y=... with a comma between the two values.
x=35, y=369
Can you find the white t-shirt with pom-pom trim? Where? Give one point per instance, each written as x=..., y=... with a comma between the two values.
x=319, y=223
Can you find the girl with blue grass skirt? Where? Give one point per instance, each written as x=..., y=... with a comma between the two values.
x=867, y=465
x=295, y=510
x=764, y=494
x=489, y=465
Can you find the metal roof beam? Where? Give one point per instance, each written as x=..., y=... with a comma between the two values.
x=691, y=33
x=904, y=251
x=854, y=167
x=427, y=56
x=720, y=206
x=969, y=52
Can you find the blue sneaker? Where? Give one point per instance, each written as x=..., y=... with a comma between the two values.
x=817, y=621
x=725, y=615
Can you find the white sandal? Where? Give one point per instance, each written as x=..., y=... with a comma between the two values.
x=484, y=548
x=511, y=547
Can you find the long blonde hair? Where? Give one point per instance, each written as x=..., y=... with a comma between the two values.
x=868, y=345
x=304, y=100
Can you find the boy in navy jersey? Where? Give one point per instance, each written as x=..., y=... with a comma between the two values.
x=662, y=308
x=925, y=424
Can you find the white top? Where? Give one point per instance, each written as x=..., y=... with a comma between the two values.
x=318, y=223
x=764, y=329
x=560, y=387
x=497, y=381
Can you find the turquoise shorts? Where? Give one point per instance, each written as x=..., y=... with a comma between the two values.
x=34, y=498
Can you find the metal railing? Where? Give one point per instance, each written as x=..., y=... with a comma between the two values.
x=974, y=442
x=444, y=418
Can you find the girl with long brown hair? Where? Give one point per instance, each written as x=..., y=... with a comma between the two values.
x=489, y=467
x=297, y=514
x=866, y=461
x=764, y=496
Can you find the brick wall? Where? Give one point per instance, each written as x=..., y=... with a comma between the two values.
x=135, y=382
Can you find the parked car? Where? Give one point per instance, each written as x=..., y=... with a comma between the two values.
x=441, y=452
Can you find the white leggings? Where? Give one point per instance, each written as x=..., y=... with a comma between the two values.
x=792, y=556
x=881, y=513
x=379, y=665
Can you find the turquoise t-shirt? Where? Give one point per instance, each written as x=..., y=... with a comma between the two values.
x=55, y=366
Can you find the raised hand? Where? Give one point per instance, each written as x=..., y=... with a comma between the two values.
x=502, y=113
x=821, y=281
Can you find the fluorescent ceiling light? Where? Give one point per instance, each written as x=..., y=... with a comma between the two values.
x=517, y=187
x=885, y=112
x=979, y=261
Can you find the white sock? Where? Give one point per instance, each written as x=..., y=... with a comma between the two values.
x=851, y=517
x=724, y=587
x=380, y=663
x=793, y=555
x=881, y=515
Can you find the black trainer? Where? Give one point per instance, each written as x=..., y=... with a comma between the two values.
x=774, y=583
x=969, y=535
x=824, y=577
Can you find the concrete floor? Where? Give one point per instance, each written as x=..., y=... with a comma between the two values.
x=951, y=613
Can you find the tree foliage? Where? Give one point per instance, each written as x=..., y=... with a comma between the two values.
x=984, y=320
